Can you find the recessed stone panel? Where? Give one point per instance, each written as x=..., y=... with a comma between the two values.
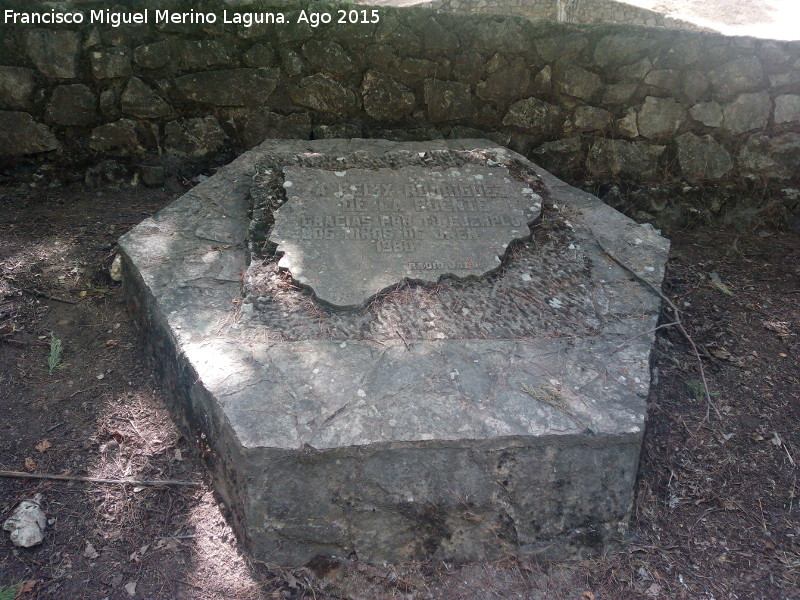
x=351, y=234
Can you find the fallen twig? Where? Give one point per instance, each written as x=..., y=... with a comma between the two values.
x=126, y=481
x=36, y=292
x=678, y=323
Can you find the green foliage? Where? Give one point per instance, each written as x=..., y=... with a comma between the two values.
x=696, y=389
x=9, y=592
x=54, y=359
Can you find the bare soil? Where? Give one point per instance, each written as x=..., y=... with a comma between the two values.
x=715, y=516
x=771, y=19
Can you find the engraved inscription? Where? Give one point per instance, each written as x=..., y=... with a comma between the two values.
x=350, y=234
x=396, y=215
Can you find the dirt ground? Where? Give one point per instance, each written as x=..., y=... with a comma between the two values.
x=716, y=512
x=771, y=19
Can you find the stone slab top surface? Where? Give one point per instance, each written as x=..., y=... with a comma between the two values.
x=351, y=234
x=555, y=342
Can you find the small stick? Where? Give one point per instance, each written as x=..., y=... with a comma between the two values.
x=664, y=326
x=678, y=323
x=22, y=475
x=49, y=297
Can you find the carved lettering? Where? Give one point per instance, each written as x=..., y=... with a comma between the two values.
x=364, y=229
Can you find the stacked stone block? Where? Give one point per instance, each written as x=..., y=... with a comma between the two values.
x=610, y=101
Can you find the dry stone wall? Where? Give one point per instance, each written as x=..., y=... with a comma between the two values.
x=604, y=101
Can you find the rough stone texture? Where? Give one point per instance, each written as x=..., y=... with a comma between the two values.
x=565, y=156
x=195, y=55
x=461, y=76
x=23, y=135
x=413, y=71
x=508, y=83
x=72, y=105
x=578, y=82
x=506, y=30
x=787, y=109
x=626, y=126
x=660, y=117
x=108, y=104
x=386, y=225
x=666, y=79
x=535, y=116
x=543, y=82
x=552, y=49
x=591, y=118
x=771, y=158
x=330, y=132
x=194, y=137
x=55, y=53
x=324, y=94
x=291, y=62
x=708, y=113
x=111, y=63
x=140, y=100
x=635, y=72
x=260, y=55
x=733, y=78
x=370, y=443
x=447, y=100
x=747, y=112
x=328, y=56
x=153, y=56
x=702, y=158
x=620, y=50
x=230, y=87
x=784, y=81
x=117, y=139
x=384, y=98
x=256, y=125
x=695, y=86
x=619, y=93
x=618, y=157
x=16, y=86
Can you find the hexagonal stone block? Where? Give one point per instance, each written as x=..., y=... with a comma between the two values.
x=464, y=415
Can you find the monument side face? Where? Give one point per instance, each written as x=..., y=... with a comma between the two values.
x=495, y=402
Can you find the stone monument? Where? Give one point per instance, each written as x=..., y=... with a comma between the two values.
x=403, y=350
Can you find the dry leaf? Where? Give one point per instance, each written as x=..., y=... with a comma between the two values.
x=90, y=552
x=717, y=284
x=130, y=588
x=587, y=595
x=111, y=342
x=718, y=352
x=43, y=445
x=27, y=587
x=779, y=327
x=30, y=464
x=654, y=591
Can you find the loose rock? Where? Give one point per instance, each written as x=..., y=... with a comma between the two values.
x=27, y=523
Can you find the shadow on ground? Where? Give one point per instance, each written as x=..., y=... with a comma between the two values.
x=715, y=517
